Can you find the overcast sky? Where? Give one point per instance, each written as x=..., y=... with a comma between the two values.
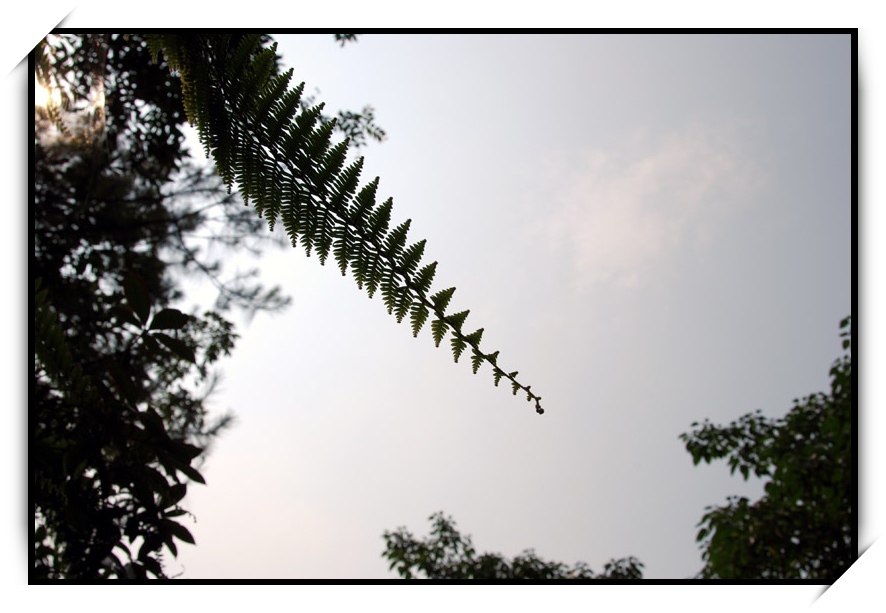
x=670, y=315
x=652, y=229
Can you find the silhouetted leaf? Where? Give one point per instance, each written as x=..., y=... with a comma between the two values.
x=169, y=319
x=176, y=346
x=137, y=296
x=179, y=531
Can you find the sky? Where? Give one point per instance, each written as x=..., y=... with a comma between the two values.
x=654, y=230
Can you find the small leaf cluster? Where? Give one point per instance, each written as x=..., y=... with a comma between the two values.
x=447, y=554
x=282, y=159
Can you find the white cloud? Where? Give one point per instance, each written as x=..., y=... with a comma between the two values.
x=617, y=213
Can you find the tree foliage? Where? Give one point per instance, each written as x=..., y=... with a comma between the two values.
x=282, y=159
x=121, y=213
x=118, y=416
x=802, y=528
x=447, y=554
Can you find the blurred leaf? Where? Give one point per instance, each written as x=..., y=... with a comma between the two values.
x=176, y=346
x=176, y=493
x=137, y=296
x=121, y=380
x=191, y=473
x=169, y=319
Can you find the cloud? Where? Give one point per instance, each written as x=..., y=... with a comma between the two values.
x=616, y=213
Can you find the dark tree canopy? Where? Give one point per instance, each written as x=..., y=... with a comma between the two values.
x=118, y=410
x=447, y=554
x=803, y=527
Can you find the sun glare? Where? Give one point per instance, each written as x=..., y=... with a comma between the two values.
x=42, y=95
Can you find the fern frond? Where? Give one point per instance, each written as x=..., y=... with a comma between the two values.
x=418, y=315
x=238, y=60
x=341, y=248
x=412, y=256
x=271, y=94
x=364, y=201
x=458, y=346
x=281, y=158
x=375, y=274
x=473, y=339
x=379, y=220
x=318, y=141
x=476, y=359
x=323, y=237
x=345, y=184
x=441, y=299
x=389, y=291
x=458, y=319
x=397, y=239
x=403, y=302
x=423, y=279
x=283, y=112
x=439, y=329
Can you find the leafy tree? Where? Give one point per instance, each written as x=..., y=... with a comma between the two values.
x=118, y=417
x=446, y=554
x=802, y=528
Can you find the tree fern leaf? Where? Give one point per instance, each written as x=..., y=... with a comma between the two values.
x=441, y=299
x=280, y=156
x=473, y=338
x=418, y=315
x=291, y=213
x=379, y=219
x=425, y=276
x=361, y=263
x=476, y=360
x=364, y=201
x=239, y=58
x=331, y=164
x=318, y=140
x=272, y=92
x=458, y=319
x=438, y=329
x=261, y=66
x=295, y=137
x=397, y=239
x=324, y=237
x=389, y=291
x=412, y=256
x=342, y=248
x=403, y=302
x=458, y=346
x=375, y=275
x=344, y=185
x=284, y=112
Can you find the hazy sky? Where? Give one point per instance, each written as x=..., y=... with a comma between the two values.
x=652, y=229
